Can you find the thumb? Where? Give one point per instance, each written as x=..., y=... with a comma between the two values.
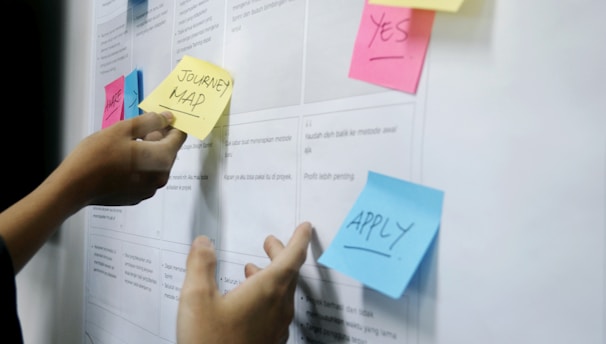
x=201, y=268
x=150, y=121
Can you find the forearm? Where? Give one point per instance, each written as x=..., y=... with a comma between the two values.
x=115, y=166
x=27, y=224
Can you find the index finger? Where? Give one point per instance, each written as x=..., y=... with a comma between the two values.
x=292, y=257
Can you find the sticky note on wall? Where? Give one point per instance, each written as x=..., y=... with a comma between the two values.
x=132, y=94
x=114, y=102
x=386, y=234
x=196, y=92
x=391, y=46
x=438, y=5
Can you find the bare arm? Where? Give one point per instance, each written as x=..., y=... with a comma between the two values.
x=120, y=165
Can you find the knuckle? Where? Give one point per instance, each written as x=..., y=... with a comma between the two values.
x=162, y=180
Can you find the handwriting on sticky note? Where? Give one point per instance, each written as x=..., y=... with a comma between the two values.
x=114, y=102
x=196, y=92
x=196, y=97
x=386, y=234
x=386, y=32
x=379, y=234
x=438, y=5
x=391, y=46
x=132, y=94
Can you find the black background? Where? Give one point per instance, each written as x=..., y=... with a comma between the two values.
x=32, y=46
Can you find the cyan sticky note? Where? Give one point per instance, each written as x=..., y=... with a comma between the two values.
x=114, y=102
x=132, y=94
x=386, y=234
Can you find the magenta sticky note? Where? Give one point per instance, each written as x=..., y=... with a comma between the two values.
x=391, y=45
x=114, y=102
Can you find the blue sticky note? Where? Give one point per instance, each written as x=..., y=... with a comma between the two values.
x=132, y=94
x=386, y=233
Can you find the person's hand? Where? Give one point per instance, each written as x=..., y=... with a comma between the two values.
x=120, y=165
x=127, y=162
x=257, y=311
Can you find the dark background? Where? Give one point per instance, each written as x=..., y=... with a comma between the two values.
x=32, y=42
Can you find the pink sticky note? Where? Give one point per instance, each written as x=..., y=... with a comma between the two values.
x=391, y=46
x=114, y=102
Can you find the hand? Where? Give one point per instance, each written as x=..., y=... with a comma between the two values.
x=258, y=311
x=119, y=165
x=126, y=162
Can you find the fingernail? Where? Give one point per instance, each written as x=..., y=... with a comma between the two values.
x=202, y=241
x=169, y=116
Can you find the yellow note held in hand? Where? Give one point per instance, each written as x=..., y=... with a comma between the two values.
x=437, y=5
x=196, y=92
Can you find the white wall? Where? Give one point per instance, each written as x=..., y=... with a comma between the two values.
x=492, y=39
x=50, y=288
x=515, y=133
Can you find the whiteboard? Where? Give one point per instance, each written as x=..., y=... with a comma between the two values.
x=508, y=122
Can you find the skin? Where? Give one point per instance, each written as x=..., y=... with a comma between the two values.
x=127, y=163
x=123, y=164
x=257, y=311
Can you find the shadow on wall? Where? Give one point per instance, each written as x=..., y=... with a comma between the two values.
x=471, y=26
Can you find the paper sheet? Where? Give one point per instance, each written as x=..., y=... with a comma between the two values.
x=296, y=145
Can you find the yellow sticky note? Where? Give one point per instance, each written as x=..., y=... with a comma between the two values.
x=437, y=5
x=196, y=92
